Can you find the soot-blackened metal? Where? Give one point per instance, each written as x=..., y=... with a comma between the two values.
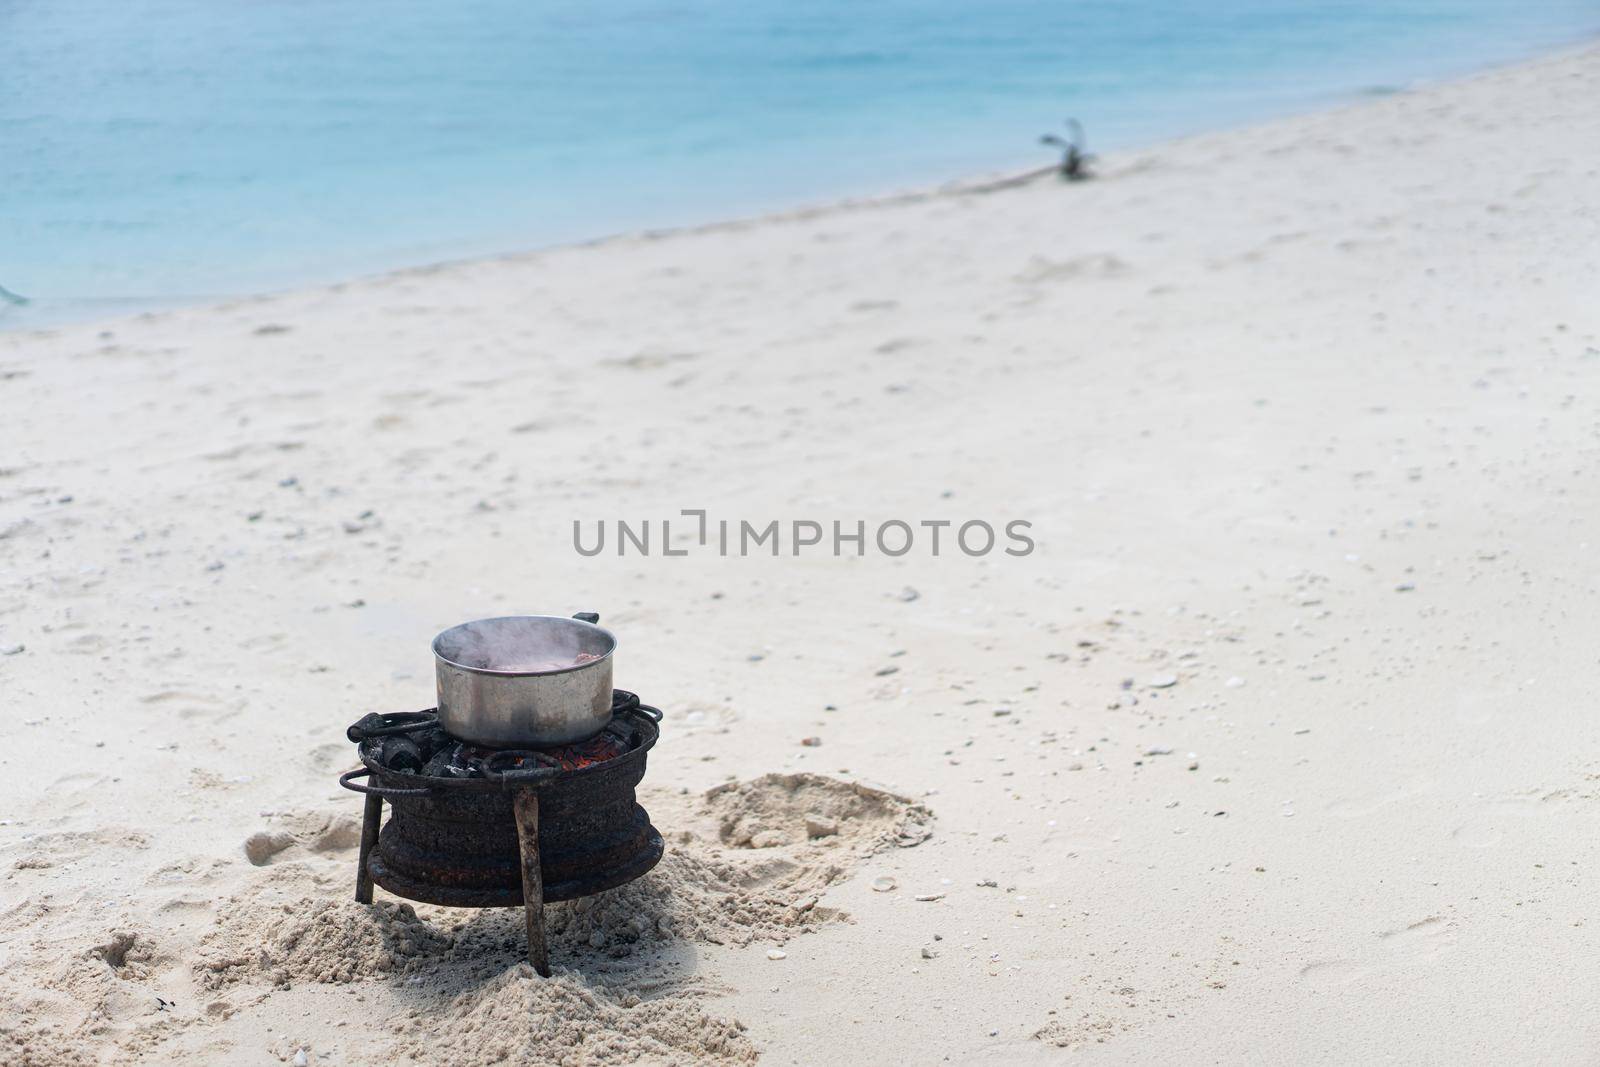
x=455, y=841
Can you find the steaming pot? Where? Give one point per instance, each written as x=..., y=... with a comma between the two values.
x=517, y=681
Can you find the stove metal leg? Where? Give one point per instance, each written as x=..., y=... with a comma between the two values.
x=526, y=806
x=371, y=819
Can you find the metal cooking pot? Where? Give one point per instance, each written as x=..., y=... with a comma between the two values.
x=517, y=680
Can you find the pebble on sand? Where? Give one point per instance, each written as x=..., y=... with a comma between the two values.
x=1163, y=681
x=261, y=846
x=884, y=884
x=818, y=826
x=776, y=954
x=11, y=650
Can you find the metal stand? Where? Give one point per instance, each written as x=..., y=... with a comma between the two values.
x=526, y=807
x=371, y=819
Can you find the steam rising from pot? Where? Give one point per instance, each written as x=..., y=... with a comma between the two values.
x=529, y=644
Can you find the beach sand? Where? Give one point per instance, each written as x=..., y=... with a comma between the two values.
x=1278, y=748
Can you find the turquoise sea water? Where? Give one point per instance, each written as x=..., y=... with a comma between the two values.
x=167, y=151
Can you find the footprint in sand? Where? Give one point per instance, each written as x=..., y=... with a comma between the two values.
x=187, y=872
x=1355, y=807
x=1487, y=826
x=25, y=913
x=268, y=642
x=332, y=756
x=704, y=718
x=1420, y=942
x=190, y=705
x=1041, y=270
x=75, y=792
x=1073, y=843
x=87, y=645
x=45, y=851
x=650, y=359
x=186, y=905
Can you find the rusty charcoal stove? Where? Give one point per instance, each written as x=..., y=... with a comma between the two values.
x=475, y=827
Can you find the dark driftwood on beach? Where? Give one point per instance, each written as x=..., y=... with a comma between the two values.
x=1074, y=154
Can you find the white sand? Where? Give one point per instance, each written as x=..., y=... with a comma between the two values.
x=1314, y=405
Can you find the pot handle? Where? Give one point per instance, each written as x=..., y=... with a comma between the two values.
x=591, y=617
x=348, y=780
x=651, y=713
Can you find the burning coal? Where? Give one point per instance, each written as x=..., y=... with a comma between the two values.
x=431, y=751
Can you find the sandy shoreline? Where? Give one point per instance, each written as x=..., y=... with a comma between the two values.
x=1303, y=417
x=31, y=321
